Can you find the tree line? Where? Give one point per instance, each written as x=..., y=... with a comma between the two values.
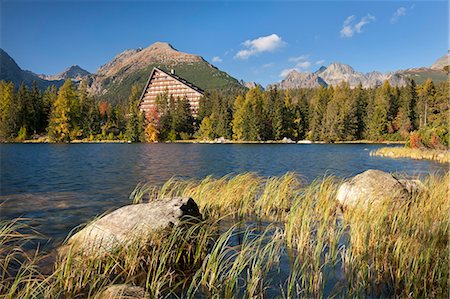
x=334, y=113
x=330, y=114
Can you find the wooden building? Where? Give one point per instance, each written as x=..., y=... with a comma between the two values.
x=161, y=81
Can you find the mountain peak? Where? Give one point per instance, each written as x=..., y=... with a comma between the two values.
x=74, y=72
x=340, y=67
x=162, y=46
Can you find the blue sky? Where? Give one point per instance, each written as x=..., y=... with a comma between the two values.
x=251, y=40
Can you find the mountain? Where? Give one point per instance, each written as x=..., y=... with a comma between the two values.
x=251, y=84
x=10, y=71
x=441, y=63
x=113, y=80
x=337, y=72
x=296, y=79
x=74, y=72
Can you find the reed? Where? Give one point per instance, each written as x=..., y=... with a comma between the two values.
x=392, y=248
x=442, y=156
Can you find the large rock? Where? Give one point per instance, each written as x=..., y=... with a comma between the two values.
x=123, y=291
x=132, y=222
x=374, y=185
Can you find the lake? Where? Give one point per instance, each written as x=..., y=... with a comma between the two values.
x=61, y=186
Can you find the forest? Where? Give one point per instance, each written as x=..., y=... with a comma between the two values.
x=330, y=114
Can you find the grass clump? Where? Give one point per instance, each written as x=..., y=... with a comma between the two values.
x=265, y=237
x=442, y=156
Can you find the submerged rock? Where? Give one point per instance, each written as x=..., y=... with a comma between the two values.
x=132, y=222
x=123, y=291
x=373, y=186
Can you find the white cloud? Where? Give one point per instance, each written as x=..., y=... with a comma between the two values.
x=286, y=72
x=268, y=65
x=349, y=28
x=303, y=65
x=217, y=59
x=320, y=61
x=298, y=58
x=400, y=12
x=262, y=44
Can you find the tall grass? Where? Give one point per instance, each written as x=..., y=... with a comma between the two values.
x=313, y=248
x=442, y=156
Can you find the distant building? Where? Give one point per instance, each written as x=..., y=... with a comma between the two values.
x=161, y=81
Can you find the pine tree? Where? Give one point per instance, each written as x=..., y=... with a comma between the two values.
x=360, y=100
x=427, y=93
x=319, y=104
x=240, y=125
x=206, y=130
x=26, y=114
x=40, y=117
x=135, y=123
x=8, y=115
x=278, y=113
x=380, y=122
x=182, y=120
x=48, y=99
x=60, y=124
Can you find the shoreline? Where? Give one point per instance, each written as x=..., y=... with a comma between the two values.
x=197, y=141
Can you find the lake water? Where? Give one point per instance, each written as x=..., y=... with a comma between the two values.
x=62, y=186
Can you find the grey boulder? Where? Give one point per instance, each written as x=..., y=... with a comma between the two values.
x=373, y=186
x=132, y=222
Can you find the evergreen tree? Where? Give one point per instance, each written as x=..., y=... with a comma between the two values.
x=41, y=116
x=182, y=117
x=8, y=115
x=319, y=104
x=26, y=114
x=135, y=121
x=206, y=130
x=380, y=122
x=240, y=123
x=360, y=100
x=278, y=113
x=427, y=93
x=48, y=99
x=60, y=124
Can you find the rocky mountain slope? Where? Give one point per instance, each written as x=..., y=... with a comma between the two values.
x=336, y=72
x=74, y=72
x=114, y=79
x=441, y=63
x=10, y=71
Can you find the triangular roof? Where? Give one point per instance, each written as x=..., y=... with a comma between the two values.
x=179, y=79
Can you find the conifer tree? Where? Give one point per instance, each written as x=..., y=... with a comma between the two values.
x=427, y=93
x=206, y=130
x=39, y=120
x=379, y=122
x=319, y=104
x=182, y=120
x=135, y=123
x=240, y=125
x=26, y=114
x=49, y=98
x=8, y=115
x=60, y=123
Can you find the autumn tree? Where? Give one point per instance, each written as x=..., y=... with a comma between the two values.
x=60, y=123
x=8, y=114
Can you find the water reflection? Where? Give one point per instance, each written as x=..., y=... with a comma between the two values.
x=62, y=186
